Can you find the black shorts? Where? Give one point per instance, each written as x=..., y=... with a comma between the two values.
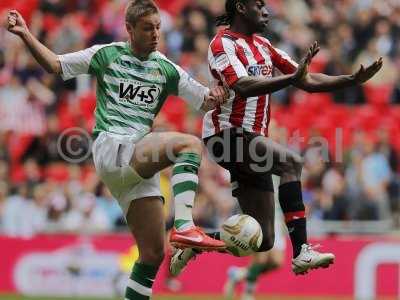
x=230, y=148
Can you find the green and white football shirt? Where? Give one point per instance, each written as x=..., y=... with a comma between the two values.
x=130, y=92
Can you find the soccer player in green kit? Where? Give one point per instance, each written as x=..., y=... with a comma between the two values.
x=133, y=81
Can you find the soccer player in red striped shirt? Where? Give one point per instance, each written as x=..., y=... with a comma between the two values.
x=236, y=133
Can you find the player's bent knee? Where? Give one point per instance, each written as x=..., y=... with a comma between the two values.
x=297, y=162
x=275, y=259
x=194, y=142
x=276, y=263
x=293, y=165
x=262, y=258
x=189, y=143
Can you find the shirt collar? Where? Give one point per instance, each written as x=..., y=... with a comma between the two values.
x=149, y=57
x=238, y=35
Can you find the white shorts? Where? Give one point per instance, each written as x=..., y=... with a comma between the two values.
x=112, y=155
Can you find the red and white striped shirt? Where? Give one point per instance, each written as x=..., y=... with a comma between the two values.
x=231, y=56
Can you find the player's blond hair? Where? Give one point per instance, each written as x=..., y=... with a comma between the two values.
x=139, y=8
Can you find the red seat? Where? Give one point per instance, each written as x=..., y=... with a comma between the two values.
x=57, y=172
x=87, y=104
x=25, y=7
x=17, y=145
x=175, y=112
x=378, y=94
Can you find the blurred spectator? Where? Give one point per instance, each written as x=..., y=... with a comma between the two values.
x=334, y=184
x=38, y=208
x=3, y=198
x=355, y=190
x=56, y=7
x=68, y=37
x=44, y=148
x=337, y=64
x=15, y=105
x=375, y=176
x=59, y=204
x=86, y=217
x=4, y=171
x=32, y=173
x=384, y=147
x=101, y=36
x=4, y=155
x=18, y=206
x=109, y=206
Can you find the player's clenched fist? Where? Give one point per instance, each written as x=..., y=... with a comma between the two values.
x=218, y=96
x=16, y=23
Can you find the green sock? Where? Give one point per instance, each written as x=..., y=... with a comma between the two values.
x=140, y=282
x=184, y=185
x=250, y=288
x=254, y=271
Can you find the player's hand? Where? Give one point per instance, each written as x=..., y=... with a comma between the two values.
x=302, y=69
x=220, y=94
x=364, y=74
x=217, y=96
x=16, y=23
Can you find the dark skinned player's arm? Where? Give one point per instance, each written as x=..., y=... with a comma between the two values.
x=255, y=86
x=317, y=82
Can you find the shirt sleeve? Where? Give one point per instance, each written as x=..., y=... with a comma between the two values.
x=77, y=63
x=224, y=63
x=282, y=61
x=190, y=89
x=180, y=83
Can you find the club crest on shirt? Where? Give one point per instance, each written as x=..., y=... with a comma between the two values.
x=222, y=62
x=259, y=70
x=139, y=93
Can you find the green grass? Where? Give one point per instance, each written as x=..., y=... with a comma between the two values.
x=203, y=297
x=13, y=297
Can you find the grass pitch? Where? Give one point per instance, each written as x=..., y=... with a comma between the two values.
x=188, y=297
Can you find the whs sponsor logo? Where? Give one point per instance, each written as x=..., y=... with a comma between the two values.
x=138, y=93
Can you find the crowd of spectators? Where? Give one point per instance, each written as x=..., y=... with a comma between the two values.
x=350, y=138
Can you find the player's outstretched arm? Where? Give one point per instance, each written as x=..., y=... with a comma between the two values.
x=318, y=82
x=255, y=86
x=44, y=56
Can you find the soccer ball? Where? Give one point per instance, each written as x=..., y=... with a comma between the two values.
x=242, y=235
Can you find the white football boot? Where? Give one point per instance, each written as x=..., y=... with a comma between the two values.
x=309, y=259
x=180, y=259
